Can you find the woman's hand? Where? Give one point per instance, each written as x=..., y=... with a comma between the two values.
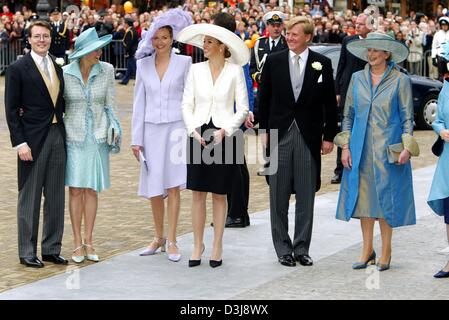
x=136, y=150
x=404, y=157
x=218, y=135
x=444, y=134
x=249, y=120
x=199, y=138
x=346, y=158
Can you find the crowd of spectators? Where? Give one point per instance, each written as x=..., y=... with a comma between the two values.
x=415, y=30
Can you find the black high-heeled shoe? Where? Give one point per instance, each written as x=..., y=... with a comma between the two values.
x=215, y=263
x=194, y=263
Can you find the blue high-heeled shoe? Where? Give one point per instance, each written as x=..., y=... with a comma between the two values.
x=383, y=267
x=441, y=274
x=363, y=265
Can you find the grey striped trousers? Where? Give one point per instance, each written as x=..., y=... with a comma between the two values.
x=296, y=168
x=47, y=177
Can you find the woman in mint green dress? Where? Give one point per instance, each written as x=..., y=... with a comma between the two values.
x=89, y=96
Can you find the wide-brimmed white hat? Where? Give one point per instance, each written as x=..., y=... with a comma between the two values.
x=379, y=41
x=194, y=35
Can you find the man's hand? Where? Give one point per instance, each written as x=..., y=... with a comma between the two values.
x=346, y=158
x=338, y=99
x=136, y=150
x=249, y=120
x=24, y=153
x=326, y=147
x=444, y=134
x=404, y=157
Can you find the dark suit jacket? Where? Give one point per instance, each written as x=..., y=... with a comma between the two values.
x=130, y=41
x=347, y=65
x=25, y=89
x=315, y=111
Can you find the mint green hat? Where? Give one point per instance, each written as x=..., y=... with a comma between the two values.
x=87, y=42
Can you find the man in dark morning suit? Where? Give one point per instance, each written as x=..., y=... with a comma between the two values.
x=347, y=65
x=297, y=98
x=34, y=106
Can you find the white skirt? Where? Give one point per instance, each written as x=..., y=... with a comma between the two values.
x=165, y=153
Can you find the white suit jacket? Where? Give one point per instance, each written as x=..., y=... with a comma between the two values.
x=158, y=101
x=203, y=100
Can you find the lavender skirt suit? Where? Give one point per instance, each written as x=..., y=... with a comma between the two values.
x=158, y=127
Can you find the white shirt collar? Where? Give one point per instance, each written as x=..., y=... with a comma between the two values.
x=304, y=55
x=276, y=41
x=37, y=58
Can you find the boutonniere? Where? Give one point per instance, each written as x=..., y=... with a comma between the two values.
x=60, y=61
x=317, y=66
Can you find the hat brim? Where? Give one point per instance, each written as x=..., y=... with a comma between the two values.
x=194, y=35
x=100, y=43
x=359, y=48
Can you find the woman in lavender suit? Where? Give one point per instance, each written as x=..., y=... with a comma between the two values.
x=158, y=132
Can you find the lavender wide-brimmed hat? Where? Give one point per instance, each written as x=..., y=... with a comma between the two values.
x=177, y=19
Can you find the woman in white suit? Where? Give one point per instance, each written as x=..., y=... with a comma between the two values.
x=157, y=122
x=214, y=106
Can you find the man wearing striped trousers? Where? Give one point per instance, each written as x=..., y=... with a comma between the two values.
x=34, y=105
x=297, y=98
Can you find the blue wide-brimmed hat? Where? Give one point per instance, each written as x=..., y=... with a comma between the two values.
x=379, y=41
x=87, y=42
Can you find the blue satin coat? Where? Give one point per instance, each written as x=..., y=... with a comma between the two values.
x=440, y=183
x=390, y=103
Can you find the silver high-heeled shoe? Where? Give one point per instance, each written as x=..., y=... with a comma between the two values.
x=155, y=245
x=91, y=256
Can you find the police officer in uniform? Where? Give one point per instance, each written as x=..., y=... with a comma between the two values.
x=59, y=34
x=439, y=40
x=274, y=42
x=274, y=20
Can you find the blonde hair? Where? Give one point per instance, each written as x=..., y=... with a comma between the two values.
x=306, y=23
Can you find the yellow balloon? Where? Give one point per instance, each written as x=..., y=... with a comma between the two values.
x=249, y=43
x=128, y=6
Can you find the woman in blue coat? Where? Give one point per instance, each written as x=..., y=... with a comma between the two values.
x=377, y=143
x=439, y=192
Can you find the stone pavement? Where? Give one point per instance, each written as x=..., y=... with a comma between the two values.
x=124, y=222
x=250, y=269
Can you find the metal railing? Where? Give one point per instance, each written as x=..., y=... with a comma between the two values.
x=9, y=51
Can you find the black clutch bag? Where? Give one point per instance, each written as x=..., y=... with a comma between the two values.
x=438, y=147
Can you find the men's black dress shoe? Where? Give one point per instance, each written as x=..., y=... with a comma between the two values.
x=336, y=179
x=442, y=274
x=55, y=258
x=32, y=262
x=237, y=222
x=304, y=259
x=287, y=260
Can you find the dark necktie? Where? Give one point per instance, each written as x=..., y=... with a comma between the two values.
x=272, y=45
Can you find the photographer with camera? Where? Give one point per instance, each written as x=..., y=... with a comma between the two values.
x=414, y=41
